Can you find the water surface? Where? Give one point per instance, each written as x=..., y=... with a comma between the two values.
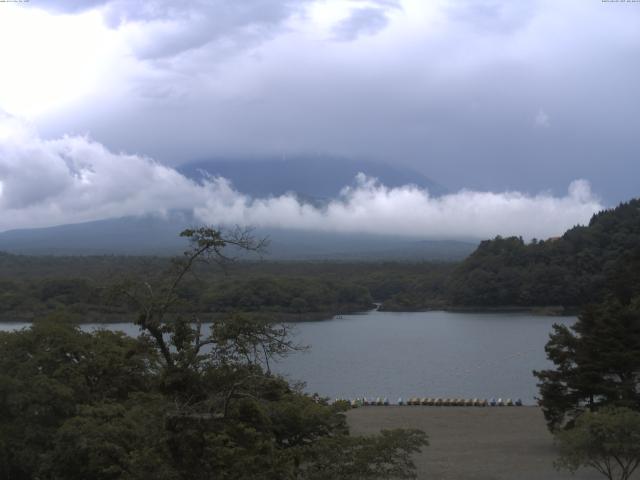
x=427, y=354
x=432, y=354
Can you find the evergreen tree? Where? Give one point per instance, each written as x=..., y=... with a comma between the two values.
x=597, y=362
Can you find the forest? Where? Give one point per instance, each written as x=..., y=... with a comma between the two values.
x=81, y=287
x=570, y=271
x=175, y=403
x=565, y=272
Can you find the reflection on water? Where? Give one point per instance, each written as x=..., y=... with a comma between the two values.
x=431, y=354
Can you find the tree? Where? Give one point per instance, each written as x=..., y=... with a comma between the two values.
x=111, y=440
x=230, y=412
x=48, y=372
x=156, y=301
x=184, y=400
x=607, y=440
x=597, y=363
x=578, y=268
x=349, y=458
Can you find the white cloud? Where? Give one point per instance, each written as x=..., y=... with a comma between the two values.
x=541, y=119
x=40, y=76
x=362, y=21
x=74, y=179
x=448, y=87
x=370, y=207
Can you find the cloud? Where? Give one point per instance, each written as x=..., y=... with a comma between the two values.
x=497, y=16
x=369, y=207
x=449, y=88
x=74, y=179
x=361, y=21
x=67, y=6
x=541, y=119
x=161, y=29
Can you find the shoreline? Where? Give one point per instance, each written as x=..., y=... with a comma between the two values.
x=285, y=317
x=546, y=311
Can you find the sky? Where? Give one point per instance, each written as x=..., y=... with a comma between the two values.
x=524, y=110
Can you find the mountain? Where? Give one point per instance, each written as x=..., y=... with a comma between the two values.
x=310, y=177
x=313, y=180
x=145, y=235
x=155, y=235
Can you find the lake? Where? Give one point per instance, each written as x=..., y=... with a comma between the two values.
x=426, y=354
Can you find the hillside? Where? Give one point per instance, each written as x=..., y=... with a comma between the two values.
x=155, y=235
x=572, y=270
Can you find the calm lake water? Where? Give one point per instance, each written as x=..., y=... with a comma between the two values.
x=426, y=354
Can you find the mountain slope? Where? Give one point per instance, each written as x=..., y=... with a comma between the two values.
x=154, y=235
x=572, y=270
x=146, y=235
x=322, y=177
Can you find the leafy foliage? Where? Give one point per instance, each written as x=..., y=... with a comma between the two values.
x=75, y=287
x=51, y=369
x=385, y=456
x=607, y=440
x=571, y=270
x=179, y=402
x=597, y=362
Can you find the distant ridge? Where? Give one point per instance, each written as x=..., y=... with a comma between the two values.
x=145, y=235
x=154, y=235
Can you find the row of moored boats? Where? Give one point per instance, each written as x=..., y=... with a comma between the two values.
x=436, y=402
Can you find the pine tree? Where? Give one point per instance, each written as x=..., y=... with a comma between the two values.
x=597, y=362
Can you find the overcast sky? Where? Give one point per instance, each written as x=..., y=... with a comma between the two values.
x=489, y=96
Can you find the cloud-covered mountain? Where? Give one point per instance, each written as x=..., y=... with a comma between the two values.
x=73, y=179
x=317, y=177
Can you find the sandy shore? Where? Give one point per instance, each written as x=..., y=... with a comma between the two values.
x=474, y=443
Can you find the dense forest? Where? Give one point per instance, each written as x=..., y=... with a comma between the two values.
x=80, y=287
x=572, y=270
x=175, y=403
x=565, y=272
